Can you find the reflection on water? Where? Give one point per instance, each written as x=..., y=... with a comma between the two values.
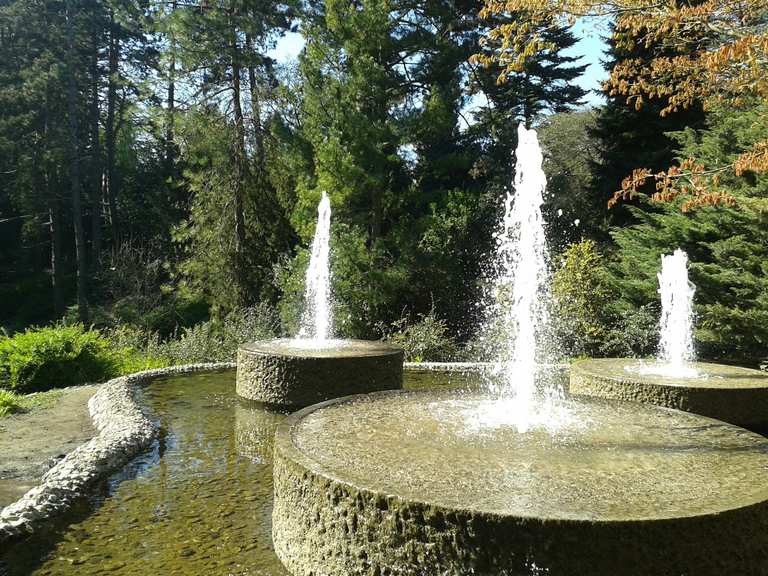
x=199, y=502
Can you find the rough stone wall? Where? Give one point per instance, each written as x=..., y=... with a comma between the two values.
x=324, y=527
x=124, y=431
x=301, y=381
x=745, y=407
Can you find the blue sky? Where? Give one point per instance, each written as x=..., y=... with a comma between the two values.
x=590, y=47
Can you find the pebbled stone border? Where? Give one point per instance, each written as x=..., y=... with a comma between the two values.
x=125, y=429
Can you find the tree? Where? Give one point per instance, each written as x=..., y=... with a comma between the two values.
x=221, y=52
x=727, y=247
x=572, y=207
x=708, y=52
x=542, y=88
x=628, y=137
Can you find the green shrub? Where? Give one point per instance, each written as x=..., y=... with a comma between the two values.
x=55, y=357
x=427, y=339
x=9, y=403
x=582, y=300
x=635, y=333
x=218, y=340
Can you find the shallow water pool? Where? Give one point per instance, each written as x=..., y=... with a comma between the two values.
x=198, y=502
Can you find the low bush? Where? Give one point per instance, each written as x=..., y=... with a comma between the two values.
x=55, y=357
x=218, y=340
x=9, y=403
x=427, y=339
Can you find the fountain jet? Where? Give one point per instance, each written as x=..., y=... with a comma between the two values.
x=676, y=350
x=316, y=321
x=521, y=287
x=314, y=366
x=676, y=326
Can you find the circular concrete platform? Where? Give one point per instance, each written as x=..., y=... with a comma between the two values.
x=422, y=484
x=729, y=393
x=294, y=373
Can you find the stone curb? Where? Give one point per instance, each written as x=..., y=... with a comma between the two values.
x=124, y=429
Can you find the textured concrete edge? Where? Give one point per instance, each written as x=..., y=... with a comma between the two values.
x=745, y=407
x=325, y=526
x=124, y=430
x=465, y=366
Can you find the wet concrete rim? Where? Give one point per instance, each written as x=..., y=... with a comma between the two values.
x=606, y=369
x=284, y=443
x=343, y=348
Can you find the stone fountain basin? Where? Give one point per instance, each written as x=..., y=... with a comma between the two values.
x=296, y=373
x=729, y=393
x=412, y=483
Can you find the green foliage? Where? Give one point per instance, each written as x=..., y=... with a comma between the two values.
x=633, y=332
x=569, y=155
x=589, y=319
x=218, y=340
x=425, y=340
x=55, y=357
x=9, y=403
x=727, y=247
x=582, y=298
x=629, y=138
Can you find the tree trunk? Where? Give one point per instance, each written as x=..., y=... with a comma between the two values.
x=170, y=145
x=111, y=128
x=74, y=168
x=55, y=233
x=96, y=172
x=241, y=171
x=258, y=137
x=54, y=213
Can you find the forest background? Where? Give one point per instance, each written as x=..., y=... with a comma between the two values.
x=160, y=171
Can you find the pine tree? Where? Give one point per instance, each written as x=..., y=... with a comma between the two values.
x=630, y=137
x=727, y=247
x=545, y=85
x=235, y=223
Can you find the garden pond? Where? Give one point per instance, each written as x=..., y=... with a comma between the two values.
x=199, y=501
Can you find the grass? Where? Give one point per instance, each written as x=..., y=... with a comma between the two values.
x=11, y=403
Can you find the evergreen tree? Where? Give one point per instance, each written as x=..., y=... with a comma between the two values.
x=632, y=137
x=727, y=247
x=234, y=219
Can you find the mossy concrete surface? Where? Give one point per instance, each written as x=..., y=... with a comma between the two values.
x=729, y=393
x=278, y=373
x=328, y=520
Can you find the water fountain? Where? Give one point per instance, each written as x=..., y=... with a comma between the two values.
x=314, y=366
x=674, y=378
x=516, y=480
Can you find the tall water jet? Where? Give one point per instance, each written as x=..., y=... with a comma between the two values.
x=521, y=285
x=317, y=321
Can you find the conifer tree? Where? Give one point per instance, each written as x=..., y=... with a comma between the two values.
x=727, y=247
